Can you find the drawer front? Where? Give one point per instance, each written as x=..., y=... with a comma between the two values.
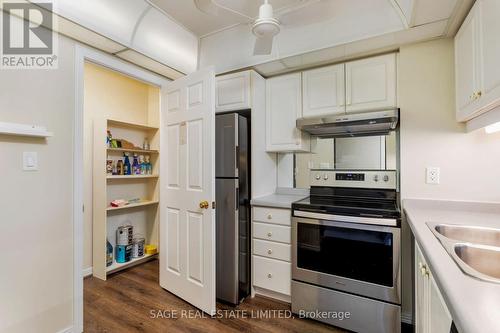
x=272, y=274
x=272, y=215
x=272, y=232
x=272, y=250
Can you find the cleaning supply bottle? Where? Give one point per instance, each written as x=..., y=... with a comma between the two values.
x=127, y=170
x=149, y=167
x=109, y=253
x=142, y=165
x=136, y=167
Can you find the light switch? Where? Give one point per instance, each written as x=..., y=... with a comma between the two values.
x=30, y=161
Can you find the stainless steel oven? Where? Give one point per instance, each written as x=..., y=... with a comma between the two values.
x=361, y=259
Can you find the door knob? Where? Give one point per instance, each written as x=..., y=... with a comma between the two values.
x=204, y=204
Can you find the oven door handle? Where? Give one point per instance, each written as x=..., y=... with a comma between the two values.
x=358, y=220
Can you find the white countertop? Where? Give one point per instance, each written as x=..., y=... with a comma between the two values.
x=282, y=198
x=473, y=304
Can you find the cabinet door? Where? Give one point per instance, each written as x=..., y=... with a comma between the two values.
x=233, y=92
x=489, y=30
x=323, y=91
x=421, y=292
x=440, y=318
x=466, y=66
x=371, y=83
x=283, y=107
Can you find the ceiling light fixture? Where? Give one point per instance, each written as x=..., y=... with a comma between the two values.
x=493, y=128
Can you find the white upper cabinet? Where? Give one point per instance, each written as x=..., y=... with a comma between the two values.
x=283, y=107
x=323, y=91
x=467, y=67
x=477, y=61
x=233, y=92
x=371, y=83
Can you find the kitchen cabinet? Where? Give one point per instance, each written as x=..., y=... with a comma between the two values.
x=477, y=61
x=283, y=107
x=431, y=313
x=233, y=92
x=371, y=83
x=271, y=252
x=323, y=91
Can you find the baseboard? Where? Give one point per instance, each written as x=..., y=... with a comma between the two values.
x=67, y=330
x=87, y=272
x=272, y=295
x=407, y=318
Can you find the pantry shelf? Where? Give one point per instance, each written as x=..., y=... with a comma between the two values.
x=132, y=205
x=131, y=176
x=134, y=150
x=115, y=267
x=132, y=126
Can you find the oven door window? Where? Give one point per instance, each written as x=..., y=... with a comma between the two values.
x=357, y=254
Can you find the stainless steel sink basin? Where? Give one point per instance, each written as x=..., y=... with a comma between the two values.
x=482, y=259
x=476, y=250
x=469, y=234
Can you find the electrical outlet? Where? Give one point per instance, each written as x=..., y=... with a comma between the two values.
x=432, y=175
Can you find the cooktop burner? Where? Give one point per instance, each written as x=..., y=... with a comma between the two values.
x=352, y=202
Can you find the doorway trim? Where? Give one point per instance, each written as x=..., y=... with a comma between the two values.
x=83, y=54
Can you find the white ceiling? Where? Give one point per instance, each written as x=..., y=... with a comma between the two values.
x=244, y=11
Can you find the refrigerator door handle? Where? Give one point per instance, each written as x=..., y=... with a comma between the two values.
x=237, y=200
x=236, y=159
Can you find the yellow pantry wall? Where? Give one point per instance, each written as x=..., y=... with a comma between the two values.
x=430, y=136
x=36, y=223
x=109, y=94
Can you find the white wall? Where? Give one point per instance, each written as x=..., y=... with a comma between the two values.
x=430, y=136
x=36, y=279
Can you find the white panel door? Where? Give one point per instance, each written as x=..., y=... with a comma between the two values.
x=371, y=83
x=466, y=66
x=232, y=92
x=187, y=178
x=323, y=91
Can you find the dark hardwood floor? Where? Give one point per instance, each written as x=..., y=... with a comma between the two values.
x=133, y=301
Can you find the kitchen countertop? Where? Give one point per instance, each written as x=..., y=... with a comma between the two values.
x=474, y=304
x=282, y=198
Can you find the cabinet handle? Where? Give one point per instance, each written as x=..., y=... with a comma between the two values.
x=269, y=251
x=269, y=217
x=269, y=275
x=269, y=234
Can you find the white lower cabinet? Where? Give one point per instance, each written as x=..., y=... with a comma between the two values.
x=431, y=313
x=271, y=252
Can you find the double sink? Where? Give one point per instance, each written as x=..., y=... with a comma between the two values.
x=476, y=250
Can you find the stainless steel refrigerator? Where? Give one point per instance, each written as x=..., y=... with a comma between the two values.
x=232, y=212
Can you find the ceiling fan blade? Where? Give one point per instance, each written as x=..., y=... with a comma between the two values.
x=263, y=45
x=207, y=6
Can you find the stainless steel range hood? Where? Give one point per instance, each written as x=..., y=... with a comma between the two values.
x=348, y=125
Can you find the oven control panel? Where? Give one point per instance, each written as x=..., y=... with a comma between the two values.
x=384, y=179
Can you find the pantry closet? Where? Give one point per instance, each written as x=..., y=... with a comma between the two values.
x=121, y=117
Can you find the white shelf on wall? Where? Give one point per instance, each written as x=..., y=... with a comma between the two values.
x=133, y=150
x=115, y=267
x=133, y=205
x=131, y=176
x=24, y=130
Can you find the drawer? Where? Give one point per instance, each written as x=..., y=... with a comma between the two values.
x=272, y=215
x=272, y=249
x=272, y=274
x=272, y=232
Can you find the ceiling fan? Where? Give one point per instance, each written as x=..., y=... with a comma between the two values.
x=265, y=26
